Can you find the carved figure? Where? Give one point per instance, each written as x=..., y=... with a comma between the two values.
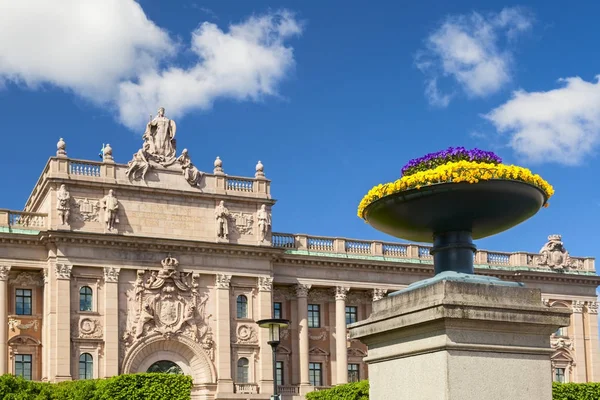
x=264, y=223
x=222, y=216
x=554, y=255
x=146, y=316
x=138, y=166
x=160, y=135
x=110, y=205
x=191, y=174
x=63, y=205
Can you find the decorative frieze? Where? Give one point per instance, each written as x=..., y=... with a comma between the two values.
x=358, y=297
x=63, y=271
x=265, y=283
x=111, y=274
x=222, y=281
x=14, y=324
x=27, y=279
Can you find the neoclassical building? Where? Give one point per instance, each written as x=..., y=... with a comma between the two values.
x=156, y=266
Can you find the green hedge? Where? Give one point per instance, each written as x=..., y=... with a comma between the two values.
x=360, y=391
x=350, y=391
x=123, y=387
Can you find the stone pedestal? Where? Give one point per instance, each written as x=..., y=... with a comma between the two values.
x=453, y=340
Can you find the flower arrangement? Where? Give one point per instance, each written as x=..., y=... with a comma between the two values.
x=471, y=171
x=451, y=154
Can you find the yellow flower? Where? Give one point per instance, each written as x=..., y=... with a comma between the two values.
x=461, y=171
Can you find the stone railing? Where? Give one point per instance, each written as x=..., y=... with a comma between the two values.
x=358, y=248
x=23, y=220
x=246, y=388
x=85, y=168
x=288, y=390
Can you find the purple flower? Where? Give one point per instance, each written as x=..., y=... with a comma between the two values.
x=451, y=154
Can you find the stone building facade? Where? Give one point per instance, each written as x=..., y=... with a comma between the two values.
x=156, y=266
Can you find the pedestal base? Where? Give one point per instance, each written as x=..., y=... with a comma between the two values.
x=454, y=340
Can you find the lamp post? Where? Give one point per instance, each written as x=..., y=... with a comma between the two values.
x=274, y=325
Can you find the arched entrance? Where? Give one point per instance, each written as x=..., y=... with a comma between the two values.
x=181, y=353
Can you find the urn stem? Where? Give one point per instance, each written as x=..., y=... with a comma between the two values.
x=453, y=251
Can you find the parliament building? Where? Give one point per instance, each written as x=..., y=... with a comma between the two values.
x=156, y=266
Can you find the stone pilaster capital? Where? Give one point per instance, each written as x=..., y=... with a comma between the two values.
x=592, y=307
x=63, y=271
x=46, y=275
x=341, y=292
x=302, y=290
x=577, y=306
x=222, y=281
x=265, y=283
x=379, y=294
x=111, y=274
x=4, y=271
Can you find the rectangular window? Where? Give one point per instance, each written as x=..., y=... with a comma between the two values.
x=277, y=313
x=23, y=366
x=315, y=374
x=559, y=375
x=561, y=332
x=314, y=316
x=353, y=373
x=351, y=314
x=23, y=302
x=279, y=372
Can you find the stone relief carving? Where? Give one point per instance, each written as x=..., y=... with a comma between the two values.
x=209, y=345
x=319, y=294
x=379, y=294
x=264, y=223
x=265, y=283
x=63, y=204
x=592, y=307
x=88, y=210
x=222, y=216
x=111, y=274
x=283, y=293
x=577, y=306
x=222, y=281
x=27, y=279
x=86, y=328
x=243, y=223
x=167, y=302
x=354, y=352
x=245, y=334
x=4, y=271
x=190, y=172
x=63, y=271
x=561, y=343
x=322, y=335
x=284, y=334
x=554, y=255
x=15, y=324
x=110, y=205
x=358, y=297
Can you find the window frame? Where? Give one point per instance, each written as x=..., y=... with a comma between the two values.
x=312, y=371
x=88, y=366
x=557, y=375
x=89, y=296
x=23, y=363
x=244, y=369
x=280, y=373
x=22, y=296
x=277, y=310
x=241, y=300
x=353, y=368
x=311, y=315
x=351, y=311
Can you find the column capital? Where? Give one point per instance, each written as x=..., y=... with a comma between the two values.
x=592, y=307
x=111, y=274
x=265, y=283
x=379, y=294
x=222, y=281
x=4, y=271
x=302, y=290
x=341, y=292
x=63, y=271
x=577, y=306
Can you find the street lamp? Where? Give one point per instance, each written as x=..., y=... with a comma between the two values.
x=274, y=325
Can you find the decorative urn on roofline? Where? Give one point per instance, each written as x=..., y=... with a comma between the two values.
x=451, y=197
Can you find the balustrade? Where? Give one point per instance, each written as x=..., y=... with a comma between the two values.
x=288, y=390
x=246, y=388
x=84, y=168
x=239, y=185
x=27, y=220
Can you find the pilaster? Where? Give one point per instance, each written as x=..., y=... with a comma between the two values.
x=341, y=354
x=594, y=351
x=579, y=371
x=265, y=373
x=223, y=354
x=111, y=322
x=4, y=271
x=61, y=331
x=302, y=296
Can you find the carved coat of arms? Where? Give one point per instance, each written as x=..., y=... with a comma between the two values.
x=555, y=256
x=243, y=223
x=88, y=210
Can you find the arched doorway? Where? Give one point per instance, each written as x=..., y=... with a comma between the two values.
x=165, y=367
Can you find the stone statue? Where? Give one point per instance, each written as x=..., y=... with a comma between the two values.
x=110, y=205
x=222, y=216
x=160, y=136
x=554, y=255
x=63, y=205
x=190, y=172
x=146, y=315
x=139, y=165
x=264, y=223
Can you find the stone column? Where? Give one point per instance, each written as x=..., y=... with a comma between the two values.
x=4, y=271
x=302, y=295
x=223, y=353
x=111, y=322
x=61, y=331
x=341, y=354
x=265, y=311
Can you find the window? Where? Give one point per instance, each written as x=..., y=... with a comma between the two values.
x=559, y=375
x=242, y=370
x=86, y=366
x=242, y=306
x=351, y=314
x=561, y=332
x=314, y=316
x=353, y=373
x=279, y=372
x=315, y=374
x=23, y=365
x=277, y=310
x=23, y=302
x=85, y=299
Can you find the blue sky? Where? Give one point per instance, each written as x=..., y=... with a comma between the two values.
x=333, y=97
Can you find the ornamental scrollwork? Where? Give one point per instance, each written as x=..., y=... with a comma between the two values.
x=63, y=271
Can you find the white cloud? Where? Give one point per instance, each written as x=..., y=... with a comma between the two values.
x=109, y=52
x=560, y=125
x=470, y=51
